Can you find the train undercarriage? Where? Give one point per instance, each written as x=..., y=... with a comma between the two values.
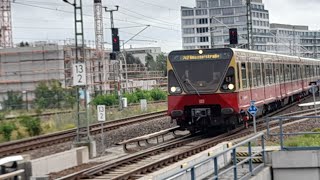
x=208, y=118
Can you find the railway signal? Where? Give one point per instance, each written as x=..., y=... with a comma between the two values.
x=233, y=36
x=115, y=40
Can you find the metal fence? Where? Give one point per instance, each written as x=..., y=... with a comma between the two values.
x=283, y=134
x=234, y=166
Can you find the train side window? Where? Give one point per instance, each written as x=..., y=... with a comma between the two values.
x=269, y=73
x=264, y=74
x=281, y=73
x=244, y=75
x=250, y=73
x=313, y=70
x=294, y=72
x=307, y=71
x=287, y=72
x=258, y=74
x=277, y=72
x=298, y=72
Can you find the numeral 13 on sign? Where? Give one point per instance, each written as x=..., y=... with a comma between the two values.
x=79, y=74
x=101, y=109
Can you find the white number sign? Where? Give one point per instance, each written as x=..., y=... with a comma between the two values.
x=79, y=74
x=101, y=109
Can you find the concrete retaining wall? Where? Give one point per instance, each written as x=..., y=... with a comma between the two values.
x=296, y=165
x=264, y=174
x=202, y=171
x=60, y=161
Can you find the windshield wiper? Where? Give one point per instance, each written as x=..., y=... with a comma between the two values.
x=188, y=82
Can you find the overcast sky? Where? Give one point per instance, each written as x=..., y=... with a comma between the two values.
x=53, y=20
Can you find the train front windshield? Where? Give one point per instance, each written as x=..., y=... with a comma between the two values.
x=200, y=71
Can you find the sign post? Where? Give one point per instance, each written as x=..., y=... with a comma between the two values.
x=253, y=111
x=101, y=110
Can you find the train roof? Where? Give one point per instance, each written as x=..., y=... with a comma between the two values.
x=272, y=54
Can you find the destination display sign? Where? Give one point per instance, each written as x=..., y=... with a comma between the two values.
x=200, y=57
x=207, y=54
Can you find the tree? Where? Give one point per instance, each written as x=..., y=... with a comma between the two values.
x=32, y=125
x=150, y=63
x=52, y=95
x=132, y=60
x=6, y=129
x=161, y=62
x=14, y=100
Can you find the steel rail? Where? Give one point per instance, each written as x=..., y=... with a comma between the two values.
x=23, y=145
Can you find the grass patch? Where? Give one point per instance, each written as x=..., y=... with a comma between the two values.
x=307, y=140
x=65, y=121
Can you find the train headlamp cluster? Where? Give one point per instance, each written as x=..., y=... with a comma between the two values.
x=174, y=89
x=228, y=86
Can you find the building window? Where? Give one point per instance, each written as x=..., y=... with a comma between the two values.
x=202, y=30
x=228, y=11
x=187, y=13
x=213, y=3
x=203, y=39
x=236, y=2
x=201, y=4
x=215, y=11
x=202, y=21
x=189, y=47
x=225, y=3
x=201, y=12
x=188, y=40
x=240, y=10
x=188, y=30
x=228, y=20
x=187, y=21
x=204, y=47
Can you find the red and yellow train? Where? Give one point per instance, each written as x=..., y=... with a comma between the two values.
x=213, y=87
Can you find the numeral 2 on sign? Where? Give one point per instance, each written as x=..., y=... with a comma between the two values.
x=79, y=74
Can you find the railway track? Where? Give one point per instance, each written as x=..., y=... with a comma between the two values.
x=33, y=143
x=152, y=159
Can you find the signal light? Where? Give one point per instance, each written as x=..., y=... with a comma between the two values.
x=233, y=36
x=115, y=40
x=113, y=56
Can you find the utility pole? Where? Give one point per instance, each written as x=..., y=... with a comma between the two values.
x=119, y=70
x=249, y=25
x=5, y=24
x=79, y=70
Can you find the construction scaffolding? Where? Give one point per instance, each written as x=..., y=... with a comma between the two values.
x=21, y=69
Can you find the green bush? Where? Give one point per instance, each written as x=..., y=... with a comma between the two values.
x=32, y=125
x=142, y=94
x=6, y=129
x=135, y=97
x=106, y=99
x=2, y=116
x=158, y=95
x=131, y=97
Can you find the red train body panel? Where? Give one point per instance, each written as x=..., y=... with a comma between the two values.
x=223, y=107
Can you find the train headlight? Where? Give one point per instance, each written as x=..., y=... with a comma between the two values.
x=174, y=89
x=231, y=86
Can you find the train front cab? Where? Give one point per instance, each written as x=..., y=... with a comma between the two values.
x=209, y=98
